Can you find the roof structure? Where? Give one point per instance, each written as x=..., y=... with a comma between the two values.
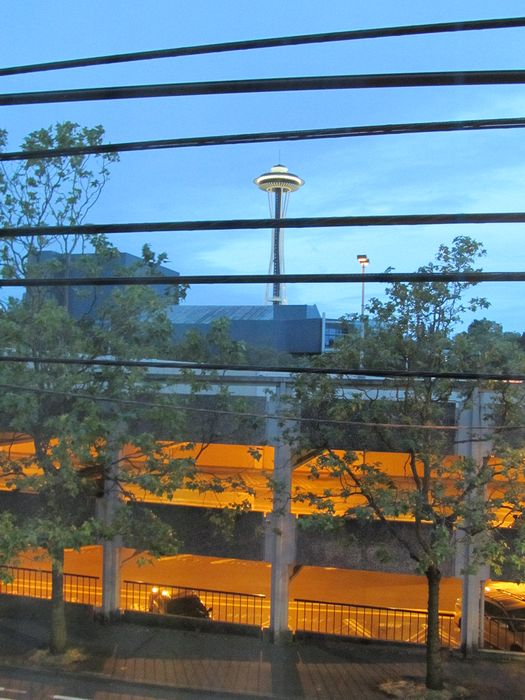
x=185, y=313
x=295, y=329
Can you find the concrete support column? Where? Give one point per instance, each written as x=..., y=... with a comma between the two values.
x=472, y=599
x=280, y=526
x=107, y=507
x=472, y=443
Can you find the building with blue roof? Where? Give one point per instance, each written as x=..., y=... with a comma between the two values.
x=295, y=329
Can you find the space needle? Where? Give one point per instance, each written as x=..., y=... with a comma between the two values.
x=278, y=183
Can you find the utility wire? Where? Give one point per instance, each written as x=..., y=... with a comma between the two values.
x=239, y=224
x=166, y=280
x=246, y=414
x=259, y=85
x=271, y=136
x=209, y=366
x=407, y=30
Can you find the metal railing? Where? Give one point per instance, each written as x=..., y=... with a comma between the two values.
x=504, y=633
x=371, y=622
x=36, y=583
x=340, y=619
x=226, y=606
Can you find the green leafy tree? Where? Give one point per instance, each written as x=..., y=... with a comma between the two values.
x=60, y=190
x=413, y=328
x=216, y=414
x=82, y=418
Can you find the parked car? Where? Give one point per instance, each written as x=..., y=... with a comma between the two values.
x=158, y=600
x=188, y=605
x=504, y=619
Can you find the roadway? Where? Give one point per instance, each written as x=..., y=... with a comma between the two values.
x=253, y=577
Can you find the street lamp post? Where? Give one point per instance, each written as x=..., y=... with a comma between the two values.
x=363, y=261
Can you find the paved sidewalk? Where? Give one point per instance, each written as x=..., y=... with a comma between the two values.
x=250, y=667
x=247, y=667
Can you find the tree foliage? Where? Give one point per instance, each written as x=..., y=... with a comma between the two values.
x=446, y=498
x=93, y=430
x=59, y=191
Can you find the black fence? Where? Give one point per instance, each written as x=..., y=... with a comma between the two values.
x=224, y=606
x=36, y=583
x=338, y=619
x=504, y=633
x=370, y=622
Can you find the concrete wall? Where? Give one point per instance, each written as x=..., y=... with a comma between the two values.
x=200, y=535
x=357, y=545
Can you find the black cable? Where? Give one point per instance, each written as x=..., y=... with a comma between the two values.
x=210, y=366
x=303, y=278
x=408, y=30
x=239, y=224
x=259, y=85
x=271, y=136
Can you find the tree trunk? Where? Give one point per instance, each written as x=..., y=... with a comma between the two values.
x=434, y=679
x=58, y=636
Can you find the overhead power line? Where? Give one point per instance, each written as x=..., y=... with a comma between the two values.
x=271, y=136
x=385, y=277
x=273, y=42
x=218, y=366
x=259, y=85
x=239, y=224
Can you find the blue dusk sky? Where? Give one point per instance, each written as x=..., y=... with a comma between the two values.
x=424, y=173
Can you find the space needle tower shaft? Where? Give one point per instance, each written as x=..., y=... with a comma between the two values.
x=278, y=183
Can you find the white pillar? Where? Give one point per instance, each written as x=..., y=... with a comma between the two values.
x=280, y=526
x=106, y=511
x=474, y=444
x=472, y=600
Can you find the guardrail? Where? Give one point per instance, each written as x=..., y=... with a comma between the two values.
x=226, y=606
x=36, y=583
x=340, y=619
x=371, y=622
x=504, y=633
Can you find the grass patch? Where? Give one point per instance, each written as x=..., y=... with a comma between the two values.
x=70, y=657
x=414, y=690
